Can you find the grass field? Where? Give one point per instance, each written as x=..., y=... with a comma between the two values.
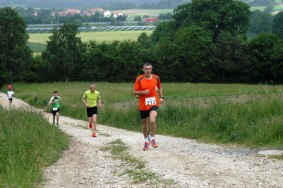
x=145, y=12
x=37, y=48
x=277, y=8
x=250, y=115
x=41, y=38
x=37, y=42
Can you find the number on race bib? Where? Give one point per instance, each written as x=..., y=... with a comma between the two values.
x=150, y=101
x=54, y=109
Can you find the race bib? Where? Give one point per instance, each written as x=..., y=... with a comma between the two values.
x=150, y=101
x=54, y=109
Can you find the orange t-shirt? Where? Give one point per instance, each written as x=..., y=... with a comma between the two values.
x=142, y=83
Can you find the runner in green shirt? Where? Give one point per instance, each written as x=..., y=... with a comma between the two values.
x=90, y=99
x=55, y=101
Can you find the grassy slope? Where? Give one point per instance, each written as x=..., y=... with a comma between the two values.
x=26, y=147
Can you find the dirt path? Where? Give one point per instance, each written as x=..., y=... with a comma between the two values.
x=187, y=162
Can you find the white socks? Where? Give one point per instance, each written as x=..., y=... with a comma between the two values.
x=149, y=138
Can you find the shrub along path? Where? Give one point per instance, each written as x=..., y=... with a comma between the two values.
x=187, y=162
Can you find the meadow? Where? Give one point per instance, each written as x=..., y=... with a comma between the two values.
x=277, y=7
x=145, y=12
x=38, y=41
x=247, y=115
x=108, y=36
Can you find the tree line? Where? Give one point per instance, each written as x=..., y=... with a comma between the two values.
x=205, y=41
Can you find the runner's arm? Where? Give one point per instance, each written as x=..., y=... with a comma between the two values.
x=84, y=101
x=99, y=102
x=50, y=101
x=160, y=93
x=143, y=92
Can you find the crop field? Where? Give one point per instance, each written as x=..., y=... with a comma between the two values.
x=112, y=35
x=277, y=7
x=145, y=12
x=48, y=29
x=37, y=41
x=41, y=38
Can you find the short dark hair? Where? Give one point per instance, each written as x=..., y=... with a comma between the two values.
x=55, y=92
x=146, y=64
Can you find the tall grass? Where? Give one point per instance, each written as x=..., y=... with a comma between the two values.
x=250, y=115
x=28, y=143
x=251, y=122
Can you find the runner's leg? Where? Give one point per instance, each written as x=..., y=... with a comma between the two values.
x=57, y=117
x=145, y=127
x=152, y=120
x=94, y=118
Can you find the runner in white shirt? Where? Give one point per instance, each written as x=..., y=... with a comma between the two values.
x=10, y=95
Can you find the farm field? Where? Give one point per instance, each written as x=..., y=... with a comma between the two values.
x=41, y=38
x=145, y=12
x=37, y=42
x=277, y=8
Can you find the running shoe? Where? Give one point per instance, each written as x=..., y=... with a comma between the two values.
x=90, y=126
x=146, y=145
x=153, y=144
x=93, y=134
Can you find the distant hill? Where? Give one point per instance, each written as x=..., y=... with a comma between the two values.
x=79, y=3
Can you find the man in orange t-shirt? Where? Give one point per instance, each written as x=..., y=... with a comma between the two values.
x=148, y=88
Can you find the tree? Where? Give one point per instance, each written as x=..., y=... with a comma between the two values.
x=163, y=29
x=128, y=58
x=137, y=18
x=148, y=51
x=165, y=16
x=215, y=15
x=260, y=22
x=96, y=17
x=277, y=26
x=193, y=47
x=269, y=9
x=65, y=52
x=15, y=55
x=265, y=58
x=229, y=58
x=121, y=18
x=186, y=55
x=225, y=21
x=219, y=16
